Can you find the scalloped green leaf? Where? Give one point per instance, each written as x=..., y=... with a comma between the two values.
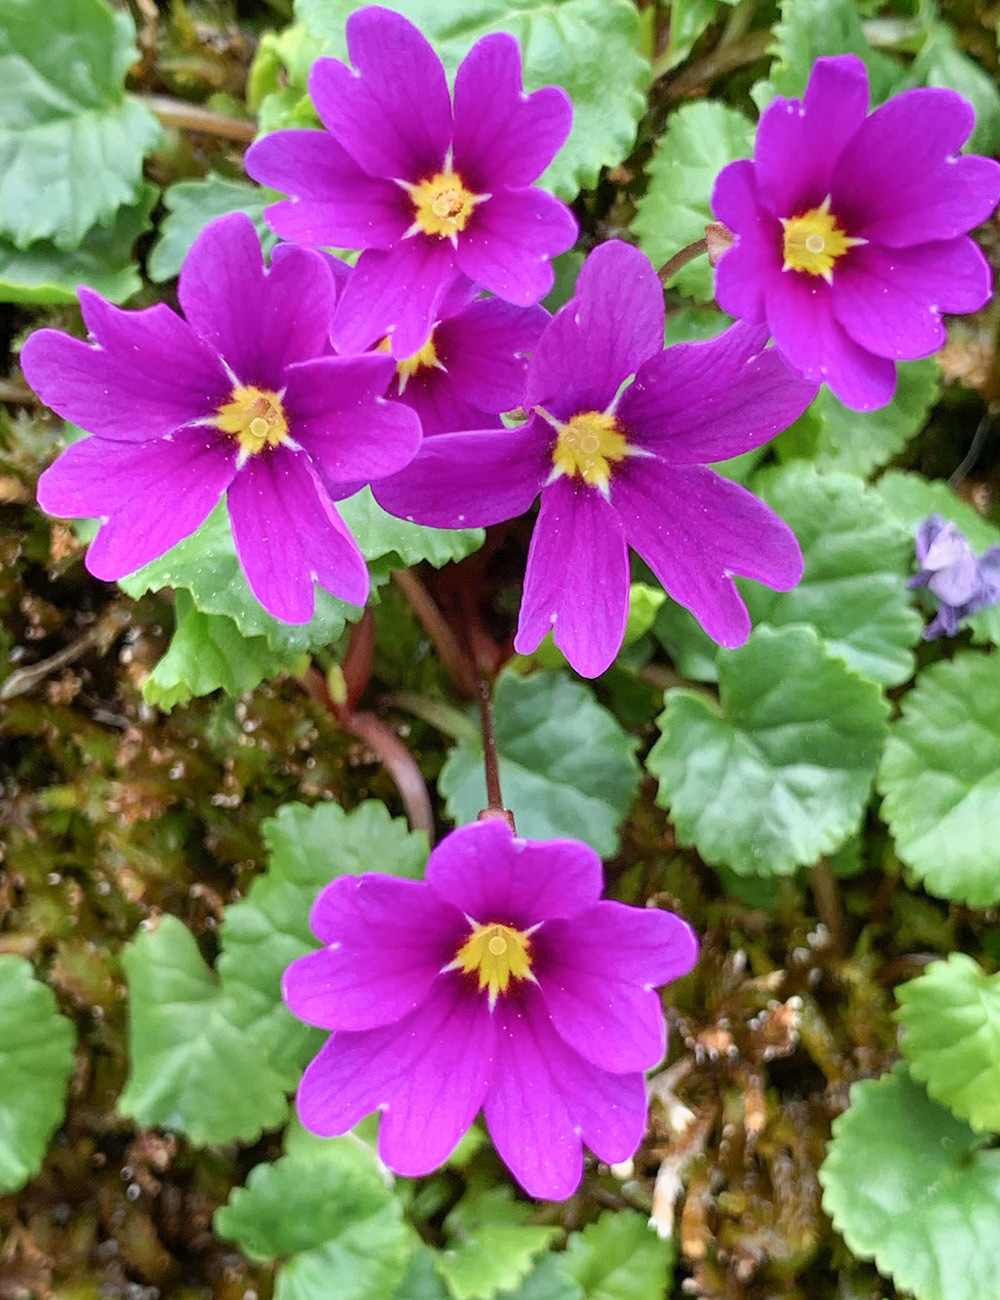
x=779, y=772
x=262, y=934
x=566, y=765
x=911, y=1187
x=190, y=1068
x=191, y=205
x=325, y=1210
x=589, y=47
x=44, y=274
x=71, y=141
x=860, y=442
x=853, y=590
x=208, y=652
x=699, y=141
x=911, y=498
x=940, y=778
x=491, y=1245
x=951, y=1037
x=619, y=1257
x=36, y=1062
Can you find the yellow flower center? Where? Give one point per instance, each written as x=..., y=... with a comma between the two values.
x=814, y=242
x=425, y=359
x=255, y=417
x=442, y=205
x=588, y=445
x=497, y=954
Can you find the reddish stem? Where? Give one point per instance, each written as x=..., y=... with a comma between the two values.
x=455, y=662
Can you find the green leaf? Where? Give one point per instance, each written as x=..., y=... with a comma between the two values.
x=208, y=652
x=491, y=1245
x=566, y=766
x=206, y=565
x=260, y=936
x=325, y=1209
x=809, y=30
x=548, y=1280
x=951, y=1037
x=941, y=63
x=700, y=140
x=689, y=19
x=620, y=1258
x=941, y=779
x=589, y=47
x=912, y=498
x=71, y=141
x=863, y=441
x=42, y=273
x=36, y=1061
x=190, y=1067
x=781, y=772
x=191, y=205
x=911, y=1187
x=853, y=590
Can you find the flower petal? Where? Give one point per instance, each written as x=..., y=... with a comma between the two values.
x=694, y=529
x=798, y=143
x=390, y=938
x=503, y=136
x=335, y=203
x=576, y=584
x=812, y=341
x=493, y=875
x=611, y=325
x=153, y=494
x=744, y=269
x=440, y=408
x=287, y=532
x=597, y=971
x=392, y=113
x=701, y=402
x=398, y=291
x=544, y=1098
x=485, y=351
x=259, y=323
x=470, y=480
x=338, y=416
x=898, y=181
x=510, y=240
x=149, y=375
x=889, y=300
x=428, y=1073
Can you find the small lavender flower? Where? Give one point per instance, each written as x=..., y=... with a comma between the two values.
x=851, y=230
x=426, y=189
x=241, y=398
x=962, y=581
x=622, y=468
x=472, y=367
x=500, y=982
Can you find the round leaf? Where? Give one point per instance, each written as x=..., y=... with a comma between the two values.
x=619, y=1257
x=780, y=773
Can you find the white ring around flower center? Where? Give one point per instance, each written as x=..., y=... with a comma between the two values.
x=815, y=243
x=497, y=945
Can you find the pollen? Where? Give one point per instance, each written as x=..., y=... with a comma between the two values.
x=588, y=445
x=442, y=205
x=814, y=242
x=425, y=359
x=496, y=954
x=255, y=417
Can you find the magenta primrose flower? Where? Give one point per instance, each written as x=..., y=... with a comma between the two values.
x=426, y=189
x=238, y=398
x=500, y=982
x=851, y=230
x=472, y=367
x=621, y=466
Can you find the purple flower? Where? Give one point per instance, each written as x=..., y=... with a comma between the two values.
x=962, y=581
x=472, y=366
x=622, y=468
x=851, y=230
x=239, y=398
x=501, y=982
x=428, y=191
